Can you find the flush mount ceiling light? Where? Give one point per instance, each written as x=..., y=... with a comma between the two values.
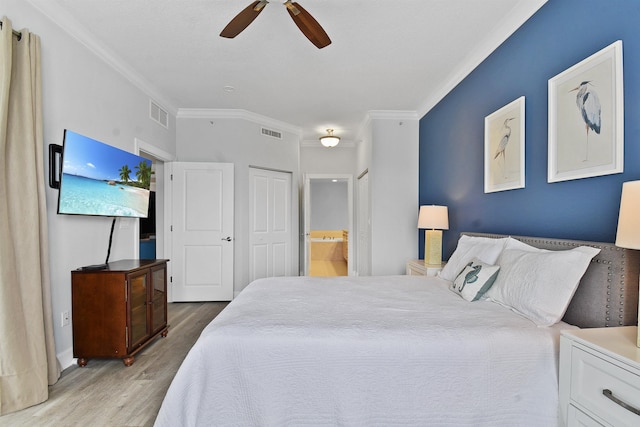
x=329, y=140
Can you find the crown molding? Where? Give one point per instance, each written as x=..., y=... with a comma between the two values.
x=77, y=31
x=391, y=114
x=214, y=113
x=384, y=115
x=501, y=32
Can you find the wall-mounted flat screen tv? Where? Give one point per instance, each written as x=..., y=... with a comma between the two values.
x=98, y=179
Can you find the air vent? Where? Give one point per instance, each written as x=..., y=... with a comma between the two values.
x=271, y=133
x=158, y=114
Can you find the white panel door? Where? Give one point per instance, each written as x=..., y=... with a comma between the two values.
x=270, y=235
x=202, y=231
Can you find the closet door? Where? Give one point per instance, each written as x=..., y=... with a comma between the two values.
x=270, y=228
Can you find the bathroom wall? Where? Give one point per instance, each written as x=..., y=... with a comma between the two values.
x=329, y=205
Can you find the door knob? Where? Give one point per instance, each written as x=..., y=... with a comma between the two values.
x=228, y=239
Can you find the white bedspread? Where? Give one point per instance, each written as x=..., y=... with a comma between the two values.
x=374, y=351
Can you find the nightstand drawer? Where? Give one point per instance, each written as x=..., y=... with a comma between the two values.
x=590, y=375
x=577, y=418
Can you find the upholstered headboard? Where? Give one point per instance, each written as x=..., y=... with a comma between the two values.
x=608, y=292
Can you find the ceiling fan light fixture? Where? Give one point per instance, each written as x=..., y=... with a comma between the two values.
x=329, y=140
x=292, y=8
x=303, y=20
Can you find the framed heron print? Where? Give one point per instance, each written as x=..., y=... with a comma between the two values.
x=586, y=118
x=504, y=148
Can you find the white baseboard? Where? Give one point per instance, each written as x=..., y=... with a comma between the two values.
x=66, y=358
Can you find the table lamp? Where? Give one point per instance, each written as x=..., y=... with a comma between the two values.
x=628, y=235
x=433, y=219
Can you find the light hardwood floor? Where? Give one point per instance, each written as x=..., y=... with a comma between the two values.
x=106, y=393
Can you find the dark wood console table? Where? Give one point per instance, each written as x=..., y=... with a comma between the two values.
x=118, y=310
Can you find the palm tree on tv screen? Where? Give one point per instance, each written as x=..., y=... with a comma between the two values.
x=143, y=174
x=124, y=173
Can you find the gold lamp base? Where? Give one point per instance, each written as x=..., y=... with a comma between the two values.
x=433, y=248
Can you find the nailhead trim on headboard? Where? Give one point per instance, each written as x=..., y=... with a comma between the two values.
x=608, y=292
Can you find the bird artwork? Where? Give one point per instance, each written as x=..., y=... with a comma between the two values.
x=589, y=105
x=502, y=145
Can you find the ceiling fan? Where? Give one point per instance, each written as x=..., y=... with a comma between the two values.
x=305, y=22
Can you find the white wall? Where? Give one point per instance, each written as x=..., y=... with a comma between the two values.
x=329, y=205
x=339, y=160
x=81, y=92
x=390, y=152
x=239, y=141
x=84, y=93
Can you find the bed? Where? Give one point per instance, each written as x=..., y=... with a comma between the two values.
x=400, y=350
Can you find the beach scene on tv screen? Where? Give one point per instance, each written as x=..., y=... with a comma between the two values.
x=98, y=179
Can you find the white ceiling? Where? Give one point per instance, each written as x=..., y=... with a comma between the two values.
x=401, y=55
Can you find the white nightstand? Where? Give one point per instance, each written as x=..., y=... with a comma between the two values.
x=416, y=267
x=600, y=377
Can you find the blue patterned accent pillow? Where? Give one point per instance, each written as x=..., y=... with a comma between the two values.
x=475, y=279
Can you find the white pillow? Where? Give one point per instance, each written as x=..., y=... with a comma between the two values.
x=512, y=243
x=539, y=284
x=484, y=249
x=474, y=280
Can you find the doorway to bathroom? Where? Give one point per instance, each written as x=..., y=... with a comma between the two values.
x=328, y=211
x=151, y=231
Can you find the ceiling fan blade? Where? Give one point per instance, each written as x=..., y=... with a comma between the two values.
x=243, y=19
x=308, y=25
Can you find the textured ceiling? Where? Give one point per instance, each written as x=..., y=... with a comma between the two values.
x=401, y=55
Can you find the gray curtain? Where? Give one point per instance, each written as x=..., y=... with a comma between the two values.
x=28, y=361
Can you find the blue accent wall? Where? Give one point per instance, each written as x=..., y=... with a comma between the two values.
x=561, y=34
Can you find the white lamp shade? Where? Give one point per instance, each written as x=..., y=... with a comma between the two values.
x=329, y=141
x=433, y=217
x=628, y=235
